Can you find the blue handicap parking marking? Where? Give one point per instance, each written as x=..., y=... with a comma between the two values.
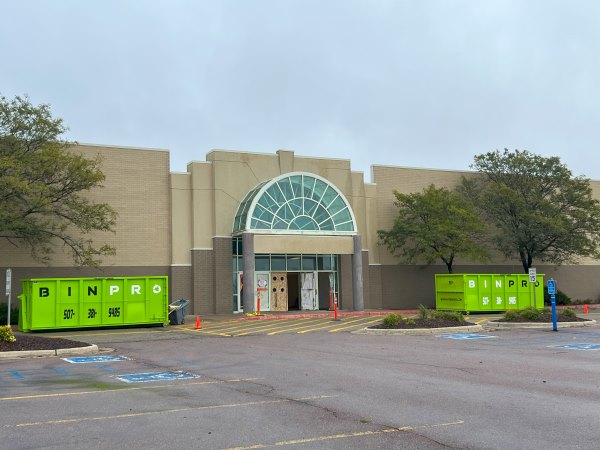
x=578, y=346
x=156, y=376
x=465, y=336
x=94, y=359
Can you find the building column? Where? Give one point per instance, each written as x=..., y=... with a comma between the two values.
x=248, y=250
x=357, y=276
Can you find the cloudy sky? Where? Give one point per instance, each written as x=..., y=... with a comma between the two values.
x=419, y=83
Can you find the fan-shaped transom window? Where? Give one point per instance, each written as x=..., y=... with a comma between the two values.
x=295, y=203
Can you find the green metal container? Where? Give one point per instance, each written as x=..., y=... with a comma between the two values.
x=58, y=303
x=488, y=292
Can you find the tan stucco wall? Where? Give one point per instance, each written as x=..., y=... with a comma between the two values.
x=203, y=204
x=137, y=187
x=234, y=174
x=341, y=245
x=181, y=218
x=405, y=180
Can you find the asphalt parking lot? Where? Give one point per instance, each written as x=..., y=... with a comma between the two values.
x=326, y=390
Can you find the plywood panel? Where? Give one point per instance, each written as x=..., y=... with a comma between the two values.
x=279, y=291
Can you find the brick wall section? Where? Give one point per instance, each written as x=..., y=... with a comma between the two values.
x=223, y=275
x=181, y=284
x=374, y=275
x=203, y=279
x=405, y=287
x=366, y=280
x=345, y=294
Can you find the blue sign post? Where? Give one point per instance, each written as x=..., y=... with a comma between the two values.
x=552, y=292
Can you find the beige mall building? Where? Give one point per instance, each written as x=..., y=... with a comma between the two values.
x=294, y=232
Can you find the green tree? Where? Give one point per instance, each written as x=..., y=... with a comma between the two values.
x=537, y=209
x=432, y=225
x=41, y=186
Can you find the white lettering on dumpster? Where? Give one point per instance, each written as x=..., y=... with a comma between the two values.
x=498, y=300
x=486, y=300
x=156, y=289
x=498, y=283
x=471, y=283
x=512, y=300
x=113, y=290
x=135, y=289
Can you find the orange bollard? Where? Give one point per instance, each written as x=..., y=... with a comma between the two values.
x=335, y=315
x=585, y=309
x=258, y=305
x=198, y=323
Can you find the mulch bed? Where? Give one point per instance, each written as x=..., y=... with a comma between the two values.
x=27, y=341
x=546, y=317
x=426, y=323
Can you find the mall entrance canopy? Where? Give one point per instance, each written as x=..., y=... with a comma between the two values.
x=297, y=213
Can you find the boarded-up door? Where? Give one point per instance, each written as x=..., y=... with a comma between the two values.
x=279, y=291
x=308, y=291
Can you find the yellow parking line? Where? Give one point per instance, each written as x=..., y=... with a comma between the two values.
x=351, y=326
x=202, y=331
x=296, y=328
x=245, y=324
x=282, y=324
x=347, y=435
x=330, y=324
x=120, y=389
x=165, y=411
x=264, y=324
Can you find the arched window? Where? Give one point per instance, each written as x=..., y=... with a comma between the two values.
x=295, y=203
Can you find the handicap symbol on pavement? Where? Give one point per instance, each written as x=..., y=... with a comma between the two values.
x=578, y=346
x=465, y=336
x=94, y=359
x=155, y=376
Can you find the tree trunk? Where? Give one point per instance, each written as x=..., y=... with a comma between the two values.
x=525, y=261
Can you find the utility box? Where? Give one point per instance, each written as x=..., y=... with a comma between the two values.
x=488, y=292
x=58, y=303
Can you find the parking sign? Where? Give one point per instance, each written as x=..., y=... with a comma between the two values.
x=532, y=275
x=551, y=287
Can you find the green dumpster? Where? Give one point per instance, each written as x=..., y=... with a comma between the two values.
x=58, y=303
x=488, y=292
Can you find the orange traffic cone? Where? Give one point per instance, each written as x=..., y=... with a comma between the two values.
x=198, y=323
x=585, y=309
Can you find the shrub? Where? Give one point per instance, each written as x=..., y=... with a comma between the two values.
x=530, y=313
x=6, y=334
x=411, y=322
x=568, y=313
x=391, y=320
x=561, y=297
x=423, y=312
x=456, y=316
x=14, y=314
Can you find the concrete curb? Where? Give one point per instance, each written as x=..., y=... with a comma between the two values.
x=58, y=352
x=419, y=331
x=495, y=325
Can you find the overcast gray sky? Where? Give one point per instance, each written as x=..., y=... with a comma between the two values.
x=420, y=83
